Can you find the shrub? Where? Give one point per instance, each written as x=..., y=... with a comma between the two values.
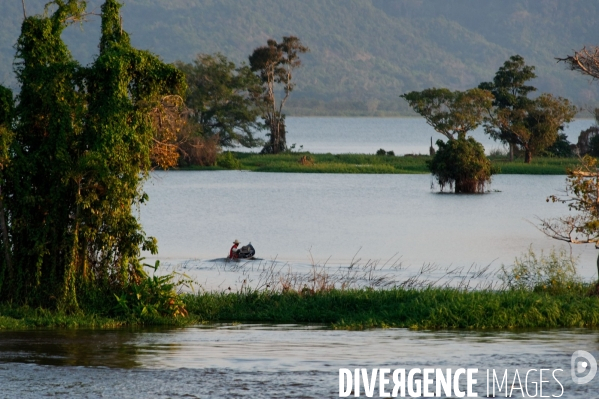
x=228, y=161
x=555, y=273
x=562, y=148
x=199, y=151
x=151, y=296
x=461, y=164
x=381, y=152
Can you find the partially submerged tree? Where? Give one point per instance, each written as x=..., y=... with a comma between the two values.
x=462, y=165
x=83, y=137
x=274, y=64
x=531, y=124
x=219, y=97
x=461, y=162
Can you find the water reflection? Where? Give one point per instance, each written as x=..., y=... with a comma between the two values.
x=263, y=360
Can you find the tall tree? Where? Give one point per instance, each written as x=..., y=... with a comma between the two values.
x=81, y=150
x=274, y=64
x=220, y=101
x=531, y=124
x=510, y=92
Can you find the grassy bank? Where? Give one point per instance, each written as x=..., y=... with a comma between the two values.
x=435, y=308
x=22, y=317
x=364, y=163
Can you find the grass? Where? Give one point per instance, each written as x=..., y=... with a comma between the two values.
x=433, y=308
x=364, y=163
x=356, y=309
x=13, y=317
x=537, y=291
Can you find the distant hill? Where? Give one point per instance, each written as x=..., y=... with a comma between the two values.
x=364, y=53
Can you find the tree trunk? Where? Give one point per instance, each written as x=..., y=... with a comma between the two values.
x=527, y=156
x=512, y=152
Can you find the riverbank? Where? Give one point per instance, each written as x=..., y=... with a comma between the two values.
x=379, y=164
x=433, y=308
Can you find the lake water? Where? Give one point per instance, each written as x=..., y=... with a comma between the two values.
x=269, y=361
x=393, y=224
x=367, y=135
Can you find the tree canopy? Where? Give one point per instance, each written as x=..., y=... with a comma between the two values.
x=451, y=113
x=531, y=124
x=220, y=101
x=83, y=137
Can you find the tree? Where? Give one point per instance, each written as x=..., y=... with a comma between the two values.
x=582, y=197
x=219, y=100
x=531, y=124
x=462, y=165
x=585, y=61
x=274, y=64
x=510, y=92
x=533, y=127
x=83, y=137
x=461, y=162
x=451, y=113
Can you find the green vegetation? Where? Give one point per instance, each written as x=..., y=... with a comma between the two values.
x=219, y=101
x=75, y=151
x=428, y=308
x=275, y=64
x=388, y=164
x=532, y=125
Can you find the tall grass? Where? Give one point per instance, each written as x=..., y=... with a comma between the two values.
x=536, y=291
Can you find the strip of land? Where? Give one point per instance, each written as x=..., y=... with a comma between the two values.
x=382, y=164
x=433, y=308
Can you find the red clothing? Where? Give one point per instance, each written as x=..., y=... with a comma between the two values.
x=233, y=254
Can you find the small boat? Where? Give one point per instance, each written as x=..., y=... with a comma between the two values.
x=246, y=252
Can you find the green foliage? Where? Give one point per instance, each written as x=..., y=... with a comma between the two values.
x=461, y=164
x=150, y=297
x=554, y=273
x=227, y=160
x=218, y=96
x=82, y=139
x=532, y=124
x=594, y=146
x=562, y=147
x=433, y=308
x=451, y=113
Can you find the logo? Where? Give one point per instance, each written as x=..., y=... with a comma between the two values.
x=579, y=364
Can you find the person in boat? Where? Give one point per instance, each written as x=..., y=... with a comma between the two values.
x=234, y=252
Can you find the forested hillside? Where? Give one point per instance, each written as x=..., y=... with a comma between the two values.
x=364, y=53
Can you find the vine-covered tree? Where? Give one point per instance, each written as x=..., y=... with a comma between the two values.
x=83, y=137
x=274, y=64
x=461, y=162
x=220, y=101
x=531, y=124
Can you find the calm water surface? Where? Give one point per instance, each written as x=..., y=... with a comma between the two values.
x=294, y=220
x=264, y=361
